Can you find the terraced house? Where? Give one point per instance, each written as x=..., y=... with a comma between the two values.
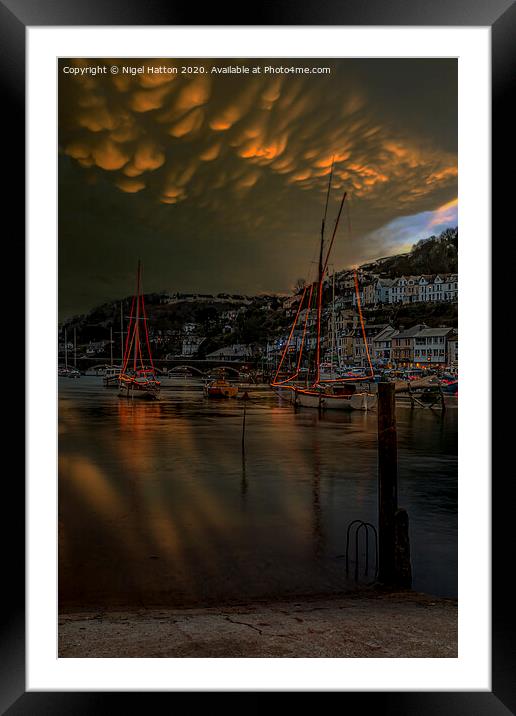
x=402, y=346
x=425, y=288
x=430, y=346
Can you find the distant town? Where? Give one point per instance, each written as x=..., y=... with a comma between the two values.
x=409, y=303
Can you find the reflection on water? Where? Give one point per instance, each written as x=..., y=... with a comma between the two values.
x=160, y=504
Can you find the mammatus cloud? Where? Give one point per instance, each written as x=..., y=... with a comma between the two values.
x=237, y=132
x=247, y=159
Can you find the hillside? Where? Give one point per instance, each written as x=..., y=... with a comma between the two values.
x=225, y=319
x=436, y=254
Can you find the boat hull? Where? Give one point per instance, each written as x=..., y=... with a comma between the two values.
x=401, y=386
x=357, y=401
x=221, y=392
x=111, y=381
x=140, y=391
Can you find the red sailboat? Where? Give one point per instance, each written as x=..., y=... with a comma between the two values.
x=137, y=378
x=336, y=393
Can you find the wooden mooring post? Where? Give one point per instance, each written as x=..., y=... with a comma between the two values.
x=393, y=534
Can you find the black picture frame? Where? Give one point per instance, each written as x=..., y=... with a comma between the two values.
x=500, y=15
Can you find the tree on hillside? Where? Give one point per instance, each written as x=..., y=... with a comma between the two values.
x=299, y=285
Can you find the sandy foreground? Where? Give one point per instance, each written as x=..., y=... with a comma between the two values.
x=403, y=624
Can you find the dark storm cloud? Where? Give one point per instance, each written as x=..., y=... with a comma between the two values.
x=218, y=182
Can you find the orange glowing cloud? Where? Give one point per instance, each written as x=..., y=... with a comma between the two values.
x=202, y=135
x=300, y=176
x=194, y=94
x=125, y=132
x=271, y=93
x=97, y=119
x=211, y=153
x=246, y=182
x=130, y=186
x=173, y=192
x=147, y=100
x=109, y=155
x=191, y=123
x=78, y=150
x=121, y=82
x=324, y=162
x=266, y=152
x=226, y=119
x=148, y=157
x=442, y=174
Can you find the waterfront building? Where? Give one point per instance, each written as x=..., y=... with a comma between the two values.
x=452, y=349
x=430, y=346
x=236, y=352
x=191, y=344
x=359, y=345
x=381, y=346
x=402, y=346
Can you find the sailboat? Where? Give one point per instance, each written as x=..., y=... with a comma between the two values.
x=318, y=391
x=137, y=378
x=113, y=371
x=66, y=371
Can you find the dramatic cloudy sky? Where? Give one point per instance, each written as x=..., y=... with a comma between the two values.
x=217, y=182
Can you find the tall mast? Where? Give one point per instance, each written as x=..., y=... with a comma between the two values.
x=137, y=323
x=320, y=283
x=74, y=347
x=66, y=349
x=111, y=345
x=333, y=319
x=122, y=332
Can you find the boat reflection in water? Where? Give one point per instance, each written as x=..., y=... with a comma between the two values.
x=159, y=505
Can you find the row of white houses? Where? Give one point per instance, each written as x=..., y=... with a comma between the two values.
x=426, y=288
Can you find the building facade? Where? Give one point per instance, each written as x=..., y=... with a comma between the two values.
x=430, y=347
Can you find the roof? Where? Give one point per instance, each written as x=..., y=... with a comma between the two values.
x=386, y=333
x=236, y=349
x=411, y=332
x=429, y=332
x=376, y=327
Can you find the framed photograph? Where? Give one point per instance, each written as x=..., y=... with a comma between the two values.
x=248, y=465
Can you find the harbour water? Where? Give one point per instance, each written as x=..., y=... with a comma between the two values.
x=159, y=506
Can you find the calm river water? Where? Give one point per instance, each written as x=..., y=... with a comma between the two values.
x=158, y=507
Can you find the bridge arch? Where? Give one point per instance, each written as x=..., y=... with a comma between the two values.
x=187, y=367
x=222, y=369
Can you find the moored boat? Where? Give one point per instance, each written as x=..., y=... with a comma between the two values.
x=332, y=399
x=64, y=372
x=220, y=388
x=140, y=384
x=327, y=388
x=137, y=379
x=111, y=375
